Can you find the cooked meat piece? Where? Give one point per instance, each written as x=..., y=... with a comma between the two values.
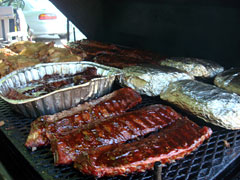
x=109, y=105
x=119, y=61
x=6, y=52
x=171, y=143
x=19, y=46
x=90, y=49
x=13, y=94
x=96, y=44
x=112, y=131
x=9, y=63
x=148, y=57
x=37, y=135
x=53, y=82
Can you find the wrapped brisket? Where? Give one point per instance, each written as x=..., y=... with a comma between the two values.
x=229, y=80
x=194, y=66
x=151, y=80
x=208, y=102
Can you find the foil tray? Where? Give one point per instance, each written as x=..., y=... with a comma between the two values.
x=61, y=99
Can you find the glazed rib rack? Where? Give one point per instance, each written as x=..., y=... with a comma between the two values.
x=110, y=105
x=210, y=161
x=114, y=130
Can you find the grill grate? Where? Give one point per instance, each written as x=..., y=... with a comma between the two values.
x=207, y=162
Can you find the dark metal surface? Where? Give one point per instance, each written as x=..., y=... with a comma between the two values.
x=209, y=161
x=181, y=28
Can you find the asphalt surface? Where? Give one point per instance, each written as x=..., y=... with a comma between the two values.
x=61, y=42
x=58, y=41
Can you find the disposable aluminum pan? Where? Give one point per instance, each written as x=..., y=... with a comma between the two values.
x=208, y=102
x=61, y=99
x=149, y=80
x=194, y=66
x=229, y=80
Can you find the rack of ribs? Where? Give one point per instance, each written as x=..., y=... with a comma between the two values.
x=110, y=105
x=119, y=61
x=120, y=129
x=90, y=49
x=169, y=144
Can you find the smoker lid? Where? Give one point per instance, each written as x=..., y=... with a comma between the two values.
x=186, y=28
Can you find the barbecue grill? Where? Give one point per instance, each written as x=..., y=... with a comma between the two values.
x=212, y=160
x=208, y=30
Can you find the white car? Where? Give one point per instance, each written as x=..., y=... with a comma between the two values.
x=43, y=18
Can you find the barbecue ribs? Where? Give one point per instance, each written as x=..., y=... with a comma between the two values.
x=171, y=143
x=110, y=105
x=111, y=131
x=112, y=54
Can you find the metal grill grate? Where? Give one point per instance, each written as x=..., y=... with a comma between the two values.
x=207, y=162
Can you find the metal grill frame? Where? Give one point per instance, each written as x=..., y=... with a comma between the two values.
x=209, y=161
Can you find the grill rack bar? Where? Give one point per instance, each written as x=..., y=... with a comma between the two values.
x=209, y=161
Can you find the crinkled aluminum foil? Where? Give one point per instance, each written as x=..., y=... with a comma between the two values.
x=208, y=102
x=194, y=66
x=61, y=99
x=151, y=80
x=229, y=80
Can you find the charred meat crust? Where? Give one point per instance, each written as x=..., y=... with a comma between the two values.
x=112, y=131
x=171, y=143
x=119, y=56
x=109, y=105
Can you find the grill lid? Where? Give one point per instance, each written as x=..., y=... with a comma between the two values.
x=202, y=29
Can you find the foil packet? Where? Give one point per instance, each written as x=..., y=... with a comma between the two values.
x=194, y=66
x=229, y=80
x=149, y=80
x=208, y=102
x=60, y=99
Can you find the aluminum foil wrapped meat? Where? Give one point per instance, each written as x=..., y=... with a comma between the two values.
x=208, y=102
x=229, y=80
x=194, y=66
x=149, y=80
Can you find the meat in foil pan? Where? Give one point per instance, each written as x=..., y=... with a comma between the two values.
x=229, y=80
x=194, y=66
x=151, y=80
x=208, y=102
x=43, y=98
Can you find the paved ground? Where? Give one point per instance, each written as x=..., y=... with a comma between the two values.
x=61, y=42
x=58, y=41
